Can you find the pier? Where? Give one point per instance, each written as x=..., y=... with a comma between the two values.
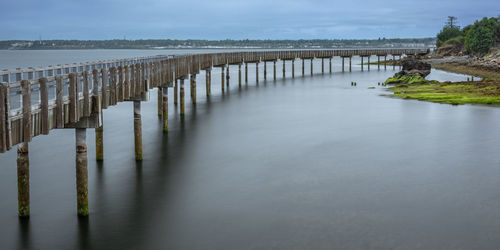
x=35, y=101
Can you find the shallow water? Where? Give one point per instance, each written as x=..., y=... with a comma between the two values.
x=304, y=163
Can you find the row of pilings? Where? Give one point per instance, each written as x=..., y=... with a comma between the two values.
x=83, y=112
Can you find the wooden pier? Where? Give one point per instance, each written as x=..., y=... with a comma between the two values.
x=36, y=100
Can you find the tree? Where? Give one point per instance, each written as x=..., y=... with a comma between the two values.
x=447, y=33
x=479, y=39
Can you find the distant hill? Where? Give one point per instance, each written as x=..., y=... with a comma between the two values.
x=195, y=44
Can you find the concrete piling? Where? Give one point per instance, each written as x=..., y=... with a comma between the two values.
x=23, y=180
x=165, y=108
x=82, y=194
x=138, y=127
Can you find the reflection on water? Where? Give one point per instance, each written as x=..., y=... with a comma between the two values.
x=304, y=163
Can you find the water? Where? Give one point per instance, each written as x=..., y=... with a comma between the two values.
x=304, y=163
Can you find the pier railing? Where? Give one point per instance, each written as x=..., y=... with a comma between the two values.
x=36, y=100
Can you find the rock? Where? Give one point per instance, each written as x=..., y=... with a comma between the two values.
x=413, y=67
x=450, y=50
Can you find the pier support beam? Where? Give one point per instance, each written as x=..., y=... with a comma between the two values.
x=164, y=99
x=227, y=76
x=303, y=67
x=222, y=76
x=159, y=102
x=265, y=70
x=99, y=148
x=393, y=62
x=343, y=59
x=322, y=65
x=274, y=70
x=176, y=91
x=257, y=72
x=378, y=62
x=23, y=180
x=246, y=72
x=385, y=62
x=208, y=79
x=362, y=64
x=293, y=68
x=330, y=59
x=312, y=70
x=284, y=69
x=182, y=97
x=368, y=63
x=193, y=88
x=138, y=129
x=350, y=64
x=239, y=74
x=82, y=193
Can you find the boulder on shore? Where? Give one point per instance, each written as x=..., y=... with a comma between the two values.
x=413, y=67
x=413, y=71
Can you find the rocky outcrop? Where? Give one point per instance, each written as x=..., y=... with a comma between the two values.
x=450, y=50
x=414, y=67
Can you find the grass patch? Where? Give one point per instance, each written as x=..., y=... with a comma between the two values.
x=483, y=92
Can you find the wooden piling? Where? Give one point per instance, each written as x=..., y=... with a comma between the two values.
x=227, y=76
x=82, y=194
x=303, y=67
x=99, y=148
x=176, y=91
x=343, y=59
x=208, y=78
x=274, y=70
x=246, y=72
x=312, y=66
x=182, y=97
x=257, y=72
x=393, y=62
x=222, y=78
x=112, y=86
x=44, y=106
x=86, y=96
x=104, y=89
x=293, y=68
x=330, y=59
x=165, y=108
x=350, y=64
x=73, y=98
x=27, y=123
x=265, y=70
x=378, y=62
x=193, y=88
x=159, y=100
x=322, y=65
x=23, y=180
x=385, y=62
x=239, y=74
x=368, y=59
x=3, y=118
x=362, y=64
x=284, y=68
x=138, y=129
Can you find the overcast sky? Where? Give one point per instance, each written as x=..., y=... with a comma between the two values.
x=233, y=19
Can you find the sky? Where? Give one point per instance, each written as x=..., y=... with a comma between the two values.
x=234, y=19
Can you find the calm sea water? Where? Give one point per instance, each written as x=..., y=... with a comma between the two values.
x=304, y=163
